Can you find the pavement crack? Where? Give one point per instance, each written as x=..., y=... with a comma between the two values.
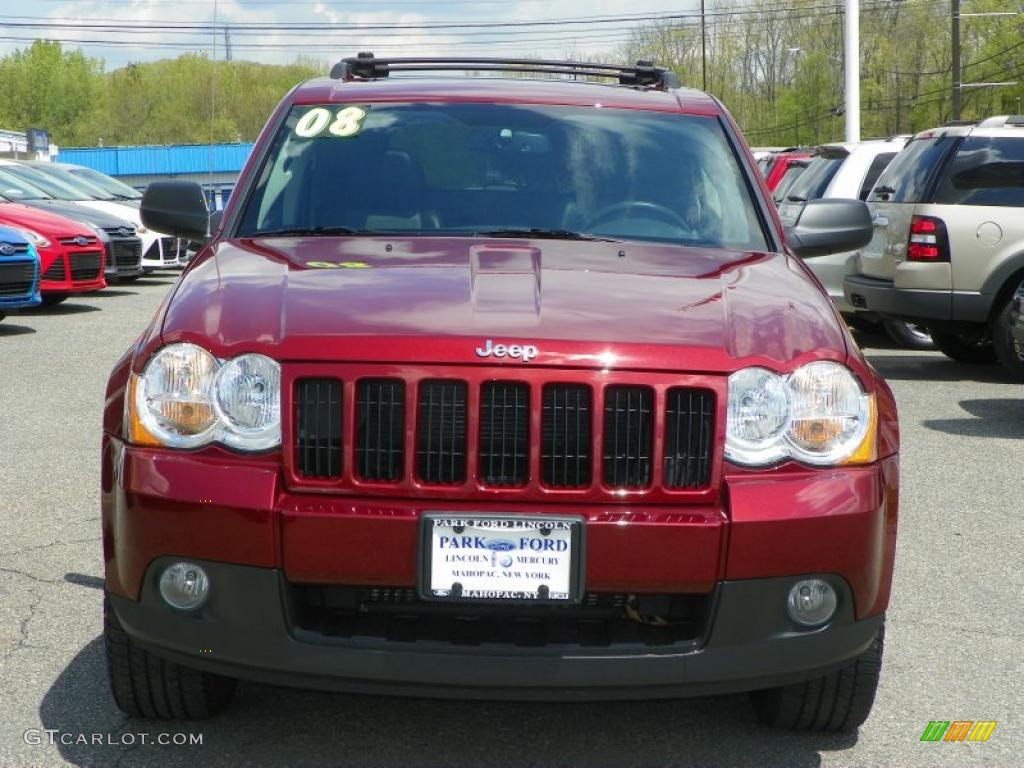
x=22, y=641
x=38, y=579
x=47, y=546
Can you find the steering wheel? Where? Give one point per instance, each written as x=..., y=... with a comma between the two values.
x=645, y=208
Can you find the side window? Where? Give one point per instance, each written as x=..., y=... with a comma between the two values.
x=874, y=171
x=986, y=171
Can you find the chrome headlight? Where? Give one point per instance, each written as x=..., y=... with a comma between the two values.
x=33, y=237
x=248, y=401
x=186, y=398
x=819, y=414
x=757, y=416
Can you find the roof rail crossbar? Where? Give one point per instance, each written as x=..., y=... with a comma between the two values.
x=366, y=66
x=1002, y=121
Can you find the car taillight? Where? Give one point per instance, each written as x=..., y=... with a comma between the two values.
x=928, y=241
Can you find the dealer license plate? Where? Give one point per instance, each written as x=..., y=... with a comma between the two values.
x=487, y=558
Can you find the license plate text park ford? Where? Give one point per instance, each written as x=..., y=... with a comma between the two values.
x=502, y=387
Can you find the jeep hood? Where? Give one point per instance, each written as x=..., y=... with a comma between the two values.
x=623, y=305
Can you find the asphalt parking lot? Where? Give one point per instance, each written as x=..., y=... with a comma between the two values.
x=954, y=636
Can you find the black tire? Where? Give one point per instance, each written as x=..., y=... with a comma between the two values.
x=2, y=315
x=1009, y=351
x=53, y=299
x=839, y=701
x=908, y=335
x=147, y=686
x=965, y=346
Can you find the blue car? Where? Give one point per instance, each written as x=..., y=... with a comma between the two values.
x=19, y=272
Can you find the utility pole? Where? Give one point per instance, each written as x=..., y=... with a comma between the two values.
x=955, y=100
x=958, y=84
x=851, y=40
x=703, y=47
x=227, y=43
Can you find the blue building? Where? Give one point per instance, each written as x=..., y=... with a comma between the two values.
x=215, y=166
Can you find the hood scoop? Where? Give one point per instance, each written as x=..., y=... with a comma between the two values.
x=505, y=280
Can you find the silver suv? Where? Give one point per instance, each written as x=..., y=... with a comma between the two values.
x=948, y=247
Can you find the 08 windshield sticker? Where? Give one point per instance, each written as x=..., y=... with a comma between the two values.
x=320, y=121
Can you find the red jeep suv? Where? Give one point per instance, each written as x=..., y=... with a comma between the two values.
x=499, y=387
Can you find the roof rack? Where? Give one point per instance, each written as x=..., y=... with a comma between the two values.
x=366, y=66
x=1002, y=121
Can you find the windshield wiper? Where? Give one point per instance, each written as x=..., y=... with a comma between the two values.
x=304, y=231
x=546, y=234
x=795, y=199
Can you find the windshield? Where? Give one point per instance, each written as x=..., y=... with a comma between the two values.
x=503, y=170
x=13, y=187
x=108, y=183
x=83, y=186
x=50, y=186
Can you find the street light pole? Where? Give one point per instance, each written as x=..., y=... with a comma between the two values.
x=955, y=96
x=851, y=39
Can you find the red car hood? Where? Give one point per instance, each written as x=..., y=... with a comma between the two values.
x=582, y=304
x=47, y=224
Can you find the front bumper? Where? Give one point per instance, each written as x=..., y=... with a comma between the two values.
x=740, y=553
x=165, y=253
x=243, y=631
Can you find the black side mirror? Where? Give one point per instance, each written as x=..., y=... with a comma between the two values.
x=830, y=225
x=176, y=208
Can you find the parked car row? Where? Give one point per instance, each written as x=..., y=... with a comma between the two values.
x=947, y=254
x=81, y=228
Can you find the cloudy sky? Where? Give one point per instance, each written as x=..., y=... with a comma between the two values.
x=122, y=31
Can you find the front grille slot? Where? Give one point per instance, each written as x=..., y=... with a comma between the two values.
x=688, y=432
x=441, y=432
x=318, y=423
x=86, y=266
x=127, y=253
x=628, y=417
x=56, y=270
x=380, y=436
x=504, y=432
x=16, y=279
x=565, y=435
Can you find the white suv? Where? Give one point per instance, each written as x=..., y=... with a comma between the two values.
x=850, y=171
x=948, y=249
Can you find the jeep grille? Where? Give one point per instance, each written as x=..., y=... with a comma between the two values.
x=488, y=433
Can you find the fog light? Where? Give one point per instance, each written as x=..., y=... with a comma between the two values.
x=811, y=602
x=184, y=585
